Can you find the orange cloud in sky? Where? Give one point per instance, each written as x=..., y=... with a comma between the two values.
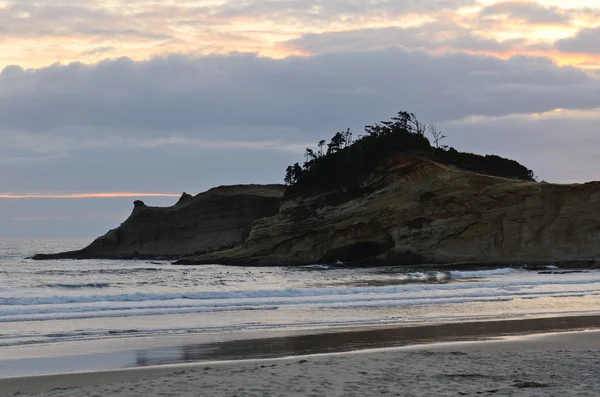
x=581, y=61
x=83, y=195
x=197, y=27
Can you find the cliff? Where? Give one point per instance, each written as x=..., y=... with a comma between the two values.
x=413, y=210
x=220, y=217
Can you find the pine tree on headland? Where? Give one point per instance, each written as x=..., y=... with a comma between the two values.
x=288, y=179
x=321, y=145
x=297, y=172
x=292, y=174
x=337, y=143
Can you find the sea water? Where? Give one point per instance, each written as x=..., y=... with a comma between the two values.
x=67, y=300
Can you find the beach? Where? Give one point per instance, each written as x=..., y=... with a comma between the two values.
x=147, y=328
x=558, y=364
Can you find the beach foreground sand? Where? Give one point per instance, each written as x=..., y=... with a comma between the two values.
x=560, y=364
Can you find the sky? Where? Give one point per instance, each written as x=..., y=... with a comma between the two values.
x=103, y=102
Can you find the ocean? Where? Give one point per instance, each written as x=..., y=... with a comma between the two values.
x=64, y=300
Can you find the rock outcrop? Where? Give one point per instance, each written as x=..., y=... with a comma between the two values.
x=414, y=210
x=220, y=217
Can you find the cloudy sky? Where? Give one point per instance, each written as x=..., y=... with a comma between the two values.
x=106, y=101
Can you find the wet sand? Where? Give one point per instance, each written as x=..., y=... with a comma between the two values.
x=120, y=353
x=445, y=359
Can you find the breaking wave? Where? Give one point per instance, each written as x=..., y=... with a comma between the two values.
x=77, y=285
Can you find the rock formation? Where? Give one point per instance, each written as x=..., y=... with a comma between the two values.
x=415, y=210
x=220, y=217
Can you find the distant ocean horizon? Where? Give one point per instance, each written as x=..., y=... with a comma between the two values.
x=66, y=300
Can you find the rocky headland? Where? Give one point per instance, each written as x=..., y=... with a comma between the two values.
x=388, y=198
x=219, y=218
x=414, y=210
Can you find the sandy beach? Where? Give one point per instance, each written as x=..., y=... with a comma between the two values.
x=550, y=364
x=95, y=329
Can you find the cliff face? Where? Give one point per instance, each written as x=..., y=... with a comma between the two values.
x=220, y=217
x=415, y=210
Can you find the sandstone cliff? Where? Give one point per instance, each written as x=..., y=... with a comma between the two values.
x=222, y=216
x=415, y=210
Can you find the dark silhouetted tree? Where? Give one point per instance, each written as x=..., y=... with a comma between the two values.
x=309, y=155
x=321, y=145
x=348, y=138
x=337, y=143
x=289, y=172
x=436, y=134
x=292, y=174
x=409, y=122
x=297, y=173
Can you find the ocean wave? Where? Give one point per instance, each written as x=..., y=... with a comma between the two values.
x=318, y=305
x=31, y=338
x=76, y=285
x=86, y=272
x=481, y=273
x=316, y=267
x=332, y=301
x=517, y=282
x=126, y=313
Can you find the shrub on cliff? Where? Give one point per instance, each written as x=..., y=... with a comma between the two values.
x=347, y=162
x=488, y=164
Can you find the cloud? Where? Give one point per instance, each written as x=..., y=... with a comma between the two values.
x=180, y=122
x=151, y=20
x=527, y=11
x=45, y=31
x=334, y=9
x=430, y=36
x=99, y=50
x=223, y=144
x=266, y=99
x=40, y=219
x=587, y=41
x=559, y=146
x=44, y=19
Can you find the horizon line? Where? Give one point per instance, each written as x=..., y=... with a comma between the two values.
x=83, y=195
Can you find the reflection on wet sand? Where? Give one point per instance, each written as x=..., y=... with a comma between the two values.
x=357, y=340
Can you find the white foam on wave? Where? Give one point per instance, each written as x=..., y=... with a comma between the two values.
x=458, y=274
x=331, y=305
x=500, y=284
x=317, y=267
x=523, y=280
x=401, y=298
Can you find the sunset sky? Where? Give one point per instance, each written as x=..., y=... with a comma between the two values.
x=107, y=101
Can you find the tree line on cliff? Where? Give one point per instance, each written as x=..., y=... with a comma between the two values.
x=344, y=161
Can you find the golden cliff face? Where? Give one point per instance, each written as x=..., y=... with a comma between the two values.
x=415, y=210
